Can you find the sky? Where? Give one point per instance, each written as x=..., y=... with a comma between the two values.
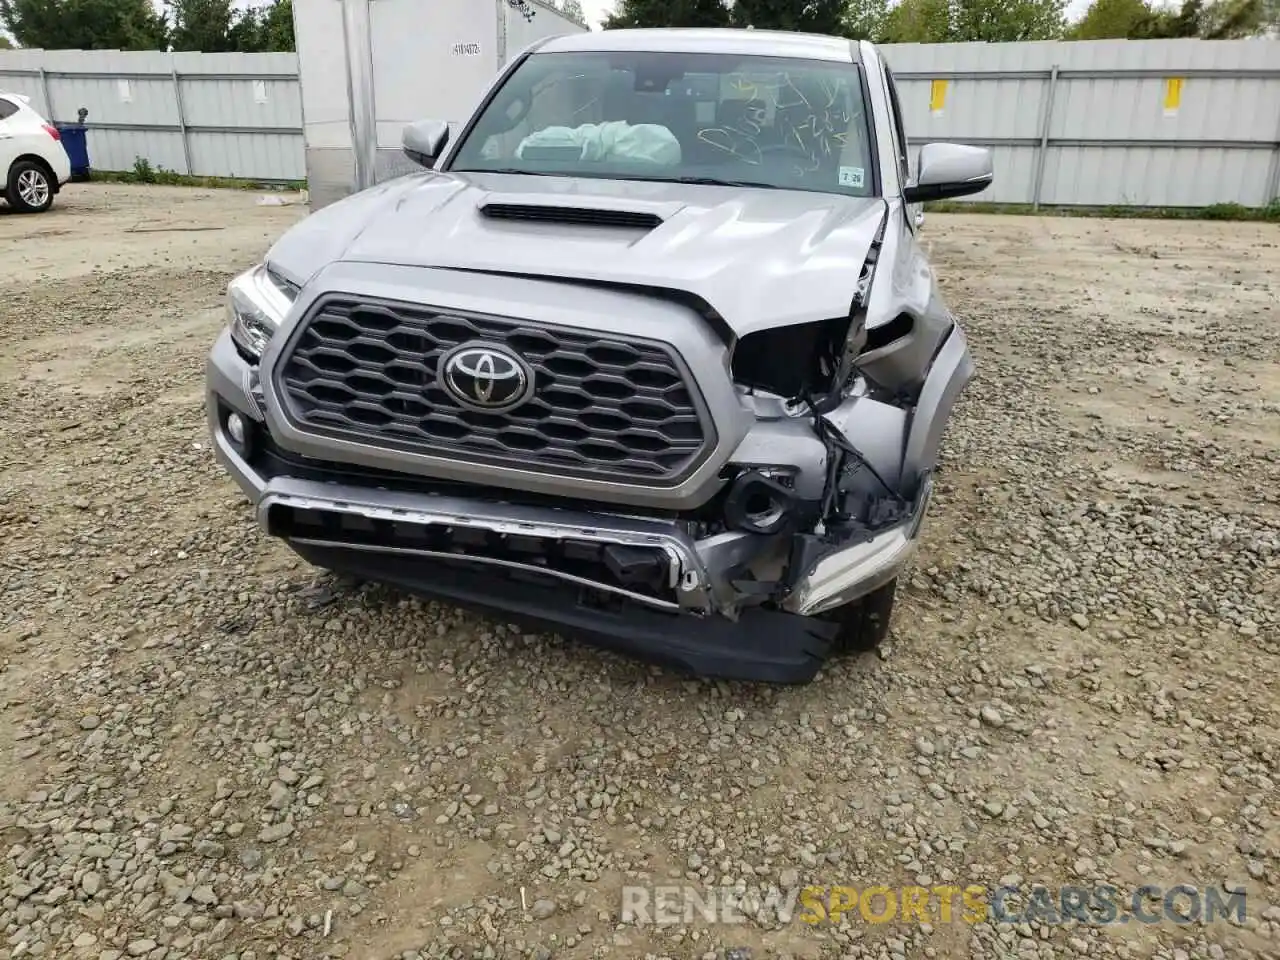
x=596, y=10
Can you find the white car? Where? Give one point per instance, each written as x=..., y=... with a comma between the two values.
x=33, y=161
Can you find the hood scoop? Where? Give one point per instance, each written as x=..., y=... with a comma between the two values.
x=576, y=216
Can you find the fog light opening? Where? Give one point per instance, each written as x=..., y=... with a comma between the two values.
x=757, y=504
x=762, y=510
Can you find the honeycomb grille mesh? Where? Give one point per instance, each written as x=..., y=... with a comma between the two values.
x=601, y=405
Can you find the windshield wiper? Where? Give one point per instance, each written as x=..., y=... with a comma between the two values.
x=511, y=170
x=700, y=181
x=711, y=182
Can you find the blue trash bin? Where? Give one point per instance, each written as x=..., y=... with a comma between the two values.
x=77, y=147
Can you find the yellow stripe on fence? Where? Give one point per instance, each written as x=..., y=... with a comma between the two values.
x=937, y=96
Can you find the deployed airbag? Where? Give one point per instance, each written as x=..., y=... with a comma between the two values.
x=616, y=140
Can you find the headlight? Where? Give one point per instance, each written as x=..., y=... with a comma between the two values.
x=257, y=302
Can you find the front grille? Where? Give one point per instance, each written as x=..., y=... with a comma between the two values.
x=602, y=406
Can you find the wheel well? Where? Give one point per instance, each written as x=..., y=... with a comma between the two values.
x=39, y=161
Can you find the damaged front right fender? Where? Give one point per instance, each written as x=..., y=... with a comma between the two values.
x=951, y=371
x=839, y=568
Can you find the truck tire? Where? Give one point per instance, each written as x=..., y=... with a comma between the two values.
x=864, y=624
x=30, y=187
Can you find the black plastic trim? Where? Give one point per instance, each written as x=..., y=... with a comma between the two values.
x=581, y=216
x=764, y=646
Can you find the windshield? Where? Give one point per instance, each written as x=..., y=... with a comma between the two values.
x=772, y=122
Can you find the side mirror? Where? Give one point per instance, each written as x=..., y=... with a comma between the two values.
x=424, y=140
x=949, y=170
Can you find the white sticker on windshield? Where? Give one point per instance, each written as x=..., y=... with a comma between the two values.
x=851, y=176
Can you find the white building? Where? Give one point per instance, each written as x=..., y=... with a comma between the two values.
x=368, y=67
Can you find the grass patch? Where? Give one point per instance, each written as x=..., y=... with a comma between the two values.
x=144, y=172
x=1218, y=211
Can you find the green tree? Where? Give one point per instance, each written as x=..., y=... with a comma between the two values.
x=1220, y=20
x=277, y=27
x=858, y=19
x=917, y=21
x=1109, y=19
x=865, y=19
x=959, y=21
x=806, y=16
x=267, y=29
x=201, y=25
x=5, y=42
x=216, y=26
x=1007, y=22
x=668, y=13
x=85, y=24
x=1271, y=16
x=1235, y=19
x=1169, y=23
x=573, y=10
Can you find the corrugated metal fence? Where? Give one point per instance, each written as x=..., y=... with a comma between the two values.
x=1111, y=122
x=1108, y=122
x=206, y=114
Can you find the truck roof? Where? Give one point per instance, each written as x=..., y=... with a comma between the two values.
x=759, y=43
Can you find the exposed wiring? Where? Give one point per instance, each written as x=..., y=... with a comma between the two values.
x=835, y=440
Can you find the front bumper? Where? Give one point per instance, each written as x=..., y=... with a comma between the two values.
x=762, y=646
x=696, y=620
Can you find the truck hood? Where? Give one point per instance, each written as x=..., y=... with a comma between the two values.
x=760, y=258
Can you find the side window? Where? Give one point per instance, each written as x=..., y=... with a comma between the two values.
x=7, y=109
x=899, y=134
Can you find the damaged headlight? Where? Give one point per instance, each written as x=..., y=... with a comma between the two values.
x=257, y=303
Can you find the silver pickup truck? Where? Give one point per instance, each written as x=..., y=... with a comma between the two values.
x=649, y=353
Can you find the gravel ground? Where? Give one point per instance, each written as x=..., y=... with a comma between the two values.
x=208, y=750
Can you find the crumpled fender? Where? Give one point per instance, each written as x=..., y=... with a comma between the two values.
x=951, y=371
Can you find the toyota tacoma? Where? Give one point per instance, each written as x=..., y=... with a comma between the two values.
x=648, y=352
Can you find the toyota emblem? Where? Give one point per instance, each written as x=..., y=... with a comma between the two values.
x=486, y=377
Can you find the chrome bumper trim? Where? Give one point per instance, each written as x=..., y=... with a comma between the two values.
x=687, y=575
x=653, y=602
